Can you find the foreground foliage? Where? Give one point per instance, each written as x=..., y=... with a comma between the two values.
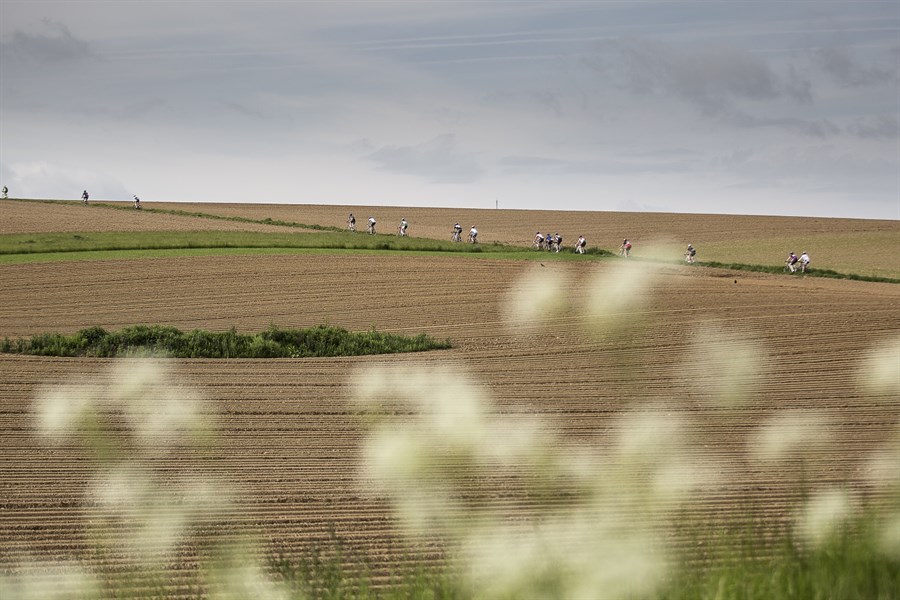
x=320, y=341
x=849, y=566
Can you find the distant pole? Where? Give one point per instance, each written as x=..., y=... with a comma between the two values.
x=496, y=203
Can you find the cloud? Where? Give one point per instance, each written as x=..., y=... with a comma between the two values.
x=126, y=112
x=711, y=77
x=821, y=128
x=244, y=110
x=876, y=127
x=657, y=162
x=530, y=162
x=438, y=160
x=847, y=71
x=54, y=44
x=43, y=179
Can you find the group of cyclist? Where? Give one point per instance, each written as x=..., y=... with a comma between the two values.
x=135, y=201
x=456, y=234
x=371, y=223
x=793, y=263
x=554, y=242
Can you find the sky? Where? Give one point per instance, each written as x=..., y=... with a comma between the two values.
x=729, y=107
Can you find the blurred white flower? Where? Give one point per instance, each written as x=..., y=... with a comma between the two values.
x=427, y=461
x=574, y=555
x=724, y=365
x=394, y=457
x=889, y=542
x=679, y=479
x=883, y=466
x=171, y=417
x=537, y=297
x=137, y=381
x=789, y=435
x=123, y=488
x=823, y=515
x=648, y=437
x=630, y=567
x=879, y=373
x=49, y=580
x=61, y=411
x=514, y=440
x=505, y=562
x=615, y=294
x=237, y=576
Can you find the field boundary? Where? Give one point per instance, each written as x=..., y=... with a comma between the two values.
x=827, y=273
x=25, y=248
x=187, y=213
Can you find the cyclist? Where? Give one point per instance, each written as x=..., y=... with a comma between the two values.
x=473, y=235
x=351, y=222
x=371, y=228
x=456, y=235
x=791, y=262
x=690, y=254
x=403, y=226
x=84, y=197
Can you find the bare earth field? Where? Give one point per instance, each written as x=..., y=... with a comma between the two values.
x=865, y=247
x=44, y=217
x=290, y=438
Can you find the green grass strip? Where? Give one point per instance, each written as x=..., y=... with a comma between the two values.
x=58, y=243
x=156, y=240
x=853, y=563
x=814, y=272
x=158, y=340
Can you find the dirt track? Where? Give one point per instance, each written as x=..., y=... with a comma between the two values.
x=290, y=441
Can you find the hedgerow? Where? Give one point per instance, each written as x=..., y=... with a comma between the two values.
x=319, y=341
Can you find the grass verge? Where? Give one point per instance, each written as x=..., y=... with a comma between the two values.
x=33, y=243
x=320, y=341
x=828, y=273
x=42, y=247
x=850, y=566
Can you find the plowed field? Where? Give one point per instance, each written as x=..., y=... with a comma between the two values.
x=46, y=217
x=865, y=247
x=290, y=439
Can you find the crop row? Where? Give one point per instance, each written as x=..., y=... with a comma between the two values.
x=290, y=437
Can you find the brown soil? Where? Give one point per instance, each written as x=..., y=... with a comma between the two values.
x=290, y=439
x=46, y=217
x=865, y=247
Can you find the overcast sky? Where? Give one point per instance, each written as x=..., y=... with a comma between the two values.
x=784, y=108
